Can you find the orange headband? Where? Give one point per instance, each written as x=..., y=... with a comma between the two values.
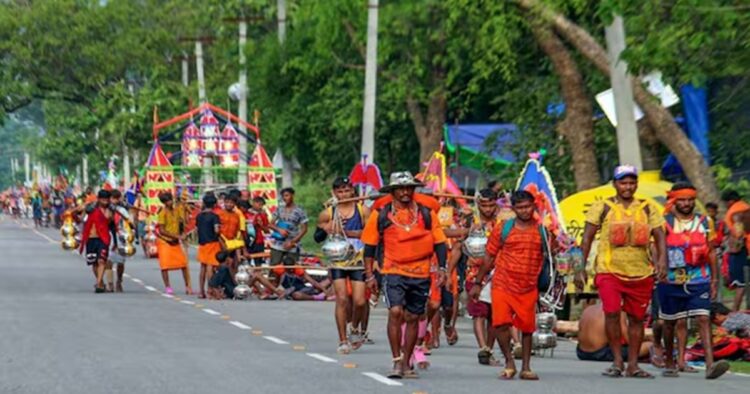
x=675, y=195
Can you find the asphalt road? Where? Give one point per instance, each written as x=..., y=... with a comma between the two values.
x=57, y=336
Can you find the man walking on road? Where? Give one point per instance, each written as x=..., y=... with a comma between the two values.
x=692, y=281
x=97, y=237
x=624, y=270
x=516, y=250
x=480, y=311
x=352, y=216
x=409, y=234
x=737, y=242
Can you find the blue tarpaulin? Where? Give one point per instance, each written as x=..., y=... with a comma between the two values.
x=471, y=138
x=695, y=108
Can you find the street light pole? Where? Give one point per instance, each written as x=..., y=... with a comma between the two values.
x=371, y=66
x=242, y=171
x=281, y=19
x=207, y=161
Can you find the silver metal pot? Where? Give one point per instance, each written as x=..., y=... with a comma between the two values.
x=126, y=250
x=69, y=243
x=125, y=236
x=242, y=277
x=546, y=322
x=475, y=244
x=242, y=291
x=68, y=230
x=544, y=340
x=336, y=248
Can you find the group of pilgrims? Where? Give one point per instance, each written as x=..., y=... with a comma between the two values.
x=405, y=248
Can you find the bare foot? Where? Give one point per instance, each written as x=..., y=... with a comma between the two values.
x=188, y=291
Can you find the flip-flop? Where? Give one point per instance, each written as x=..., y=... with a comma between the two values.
x=639, y=374
x=410, y=374
x=656, y=360
x=670, y=373
x=484, y=356
x=528, y=375
x=507, y=374
x=719, y=368
x=396, y=373
x=688, y=369
x=612, y=372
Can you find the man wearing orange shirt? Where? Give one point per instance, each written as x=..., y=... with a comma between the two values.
x=736, y=244
x=516, y=249
x=409, y=234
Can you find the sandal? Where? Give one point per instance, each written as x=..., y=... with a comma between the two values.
x=493, y=361
x=670, y=373
x=613, y=372
x=688, y=369
x=484, y=356
x=639, y=374
x=419, y=359
x=344, y=348
x=656, y=360
x=717, y=369
x=528, y=375
x=451, y=335
x=410, y=374
x=396, y=373
x=507, y=374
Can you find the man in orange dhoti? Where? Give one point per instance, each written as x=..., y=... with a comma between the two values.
x=170, y=235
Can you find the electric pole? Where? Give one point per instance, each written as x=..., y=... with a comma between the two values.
x=371, y=67
x=628, y=144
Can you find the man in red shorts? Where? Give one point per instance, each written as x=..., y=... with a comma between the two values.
x=624, y=273
x=516, y=249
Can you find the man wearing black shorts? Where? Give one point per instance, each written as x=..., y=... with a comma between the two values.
x=97, y=235
x=347, y=219
x=409, y=234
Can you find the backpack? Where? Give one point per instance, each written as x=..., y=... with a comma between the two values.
x=548, y=273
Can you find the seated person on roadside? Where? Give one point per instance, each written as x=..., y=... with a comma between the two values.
x=221, y=285
x=294, y=282
x=592, y=337
x=734, y=323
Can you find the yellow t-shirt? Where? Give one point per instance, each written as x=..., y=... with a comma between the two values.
x=169, y=220
x=626, y=261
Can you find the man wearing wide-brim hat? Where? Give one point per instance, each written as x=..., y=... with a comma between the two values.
x=409, y=234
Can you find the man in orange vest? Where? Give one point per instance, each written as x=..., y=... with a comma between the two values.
x=692, y=281
x=408, y=233
x=623, y=266
x=736, y=244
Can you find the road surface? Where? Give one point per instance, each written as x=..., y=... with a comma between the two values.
x=57, y=336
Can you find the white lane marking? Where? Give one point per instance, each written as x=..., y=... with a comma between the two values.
x=382, y=379
x=211, y=312
x=317, y=272
x=126, y=275
x=136, y=280
x=150, y=288
x=276, y=340
x=321, y=357
x=240, y=325
x=44, y=236
x=167, y=295
x=188, y=302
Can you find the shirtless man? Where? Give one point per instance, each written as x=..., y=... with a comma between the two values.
x=97, y=237
x=592, y=337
